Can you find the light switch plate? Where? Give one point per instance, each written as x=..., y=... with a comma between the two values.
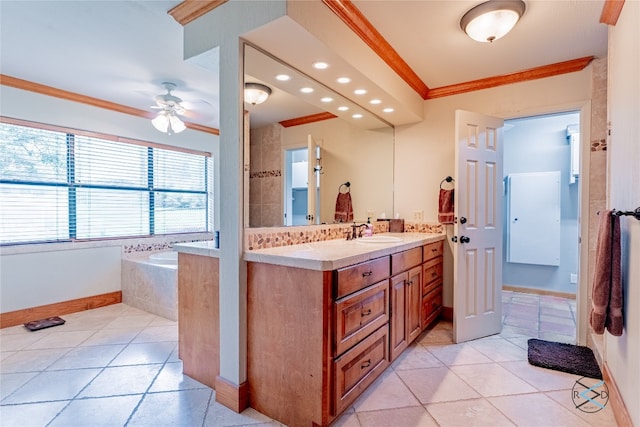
x=417, y=216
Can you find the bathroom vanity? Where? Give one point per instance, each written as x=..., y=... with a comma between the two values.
x=325, y=319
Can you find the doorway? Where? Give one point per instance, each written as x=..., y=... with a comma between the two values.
x=296, y=187
x=541, y=223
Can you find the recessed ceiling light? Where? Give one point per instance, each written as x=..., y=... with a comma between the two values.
x=326, y=99
x=306, y=90
x=343, y=108
x=357, y=116
x=283, y=77
x=375, y=101
x=343, y=80
x=360, y=91
x=388, y=110
x=320, y=65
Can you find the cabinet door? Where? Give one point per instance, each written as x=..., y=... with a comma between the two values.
x=414, y=303
x=398, y=324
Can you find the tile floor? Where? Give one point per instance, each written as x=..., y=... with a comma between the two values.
x=118, y=366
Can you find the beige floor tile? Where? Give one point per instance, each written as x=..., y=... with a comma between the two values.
x=386, y=392
x=415, y=357
x=499, y=350
x=33, y=414
x=176, y=408
x=347, y=419
x=436, y=337
x=411, y=416
x=131, y=321
x=31, y=360
x=112, y=336
x=221, y=416
x=87, y=357
x=61, y=339
x=11, y=382
x=458, y=354
x=535, y=410
x=158, y=334
x=436, y=385
x=171, y=378
x=468, y=413
x=19, y=341
x=144, y=353
x=121, y=380
x=492, y=380
x=602, y=418
x=54, y=385
x=100, y=412
x=541, y=378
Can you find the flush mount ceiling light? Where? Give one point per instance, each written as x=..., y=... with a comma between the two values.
x=256, y=93
x=492, y=20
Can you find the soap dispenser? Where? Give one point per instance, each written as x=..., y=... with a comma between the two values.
x=369, y=230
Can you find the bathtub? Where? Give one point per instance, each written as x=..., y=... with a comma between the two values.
x=150, y=283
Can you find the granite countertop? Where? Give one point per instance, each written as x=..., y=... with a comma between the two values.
x=206, y=248
x=334, y=254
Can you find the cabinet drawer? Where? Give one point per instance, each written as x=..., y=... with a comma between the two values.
x=433, y=250
x=359, y=314
x=359, y=367
x=351, y=279
x=405, y=260
x=431, y=275
x=431, y=307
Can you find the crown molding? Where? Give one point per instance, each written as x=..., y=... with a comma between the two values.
x=359, y=24
x=190, y=10
x=88, y=100
x=611, y=11
x=304, y=120
x=521, y=76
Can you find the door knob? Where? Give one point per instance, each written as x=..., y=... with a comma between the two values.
x=463, y=220
x=464, y=239
x=454, y=239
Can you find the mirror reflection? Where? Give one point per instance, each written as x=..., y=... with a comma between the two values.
x=306, y=160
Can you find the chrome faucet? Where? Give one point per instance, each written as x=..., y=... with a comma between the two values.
x=356, y=231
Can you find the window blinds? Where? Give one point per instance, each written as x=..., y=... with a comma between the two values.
x=63, y=185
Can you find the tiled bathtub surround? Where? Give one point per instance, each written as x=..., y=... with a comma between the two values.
x=272, y=237
x=134, y=248
x=150, y=287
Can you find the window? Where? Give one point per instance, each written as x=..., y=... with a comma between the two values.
x=64, y=185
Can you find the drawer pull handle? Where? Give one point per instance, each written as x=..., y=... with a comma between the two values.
x=409, y=282
x=365, y=313
x=367, y=273
x=434, y=274
x=366, y=364
x=434, y=250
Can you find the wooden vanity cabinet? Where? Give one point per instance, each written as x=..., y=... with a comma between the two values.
x=432, y=283
x=406, y=299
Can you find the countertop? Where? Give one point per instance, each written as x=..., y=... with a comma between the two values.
x=334, y=254
x=206, y=248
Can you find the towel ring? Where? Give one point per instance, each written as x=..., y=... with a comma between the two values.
x=346, y=184
x=447, y=179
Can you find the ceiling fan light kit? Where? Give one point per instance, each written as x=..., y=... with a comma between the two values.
x=256, y=93
x=167, y=120
x=492, y=20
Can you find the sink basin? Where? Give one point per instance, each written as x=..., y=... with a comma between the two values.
x=379, y=239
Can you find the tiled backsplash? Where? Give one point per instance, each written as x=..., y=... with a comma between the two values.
x=271, y=237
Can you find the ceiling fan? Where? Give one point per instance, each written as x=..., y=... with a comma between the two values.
x=167, y=120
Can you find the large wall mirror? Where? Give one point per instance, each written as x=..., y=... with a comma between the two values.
x=301, y=170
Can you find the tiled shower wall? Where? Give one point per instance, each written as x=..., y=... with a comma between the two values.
x=265, y=176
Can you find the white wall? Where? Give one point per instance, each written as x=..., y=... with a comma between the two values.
x=425, y=151
x=622, y=354
x=31, y=275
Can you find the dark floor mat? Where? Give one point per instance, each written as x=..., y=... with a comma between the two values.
x=573, y=359
x=44, y=323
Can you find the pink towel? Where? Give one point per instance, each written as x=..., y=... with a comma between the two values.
x=607, y=298
x=445, y=207
x=344, y=207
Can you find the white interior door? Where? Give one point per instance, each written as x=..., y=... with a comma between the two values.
x=477, y=288
x=313, y=180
